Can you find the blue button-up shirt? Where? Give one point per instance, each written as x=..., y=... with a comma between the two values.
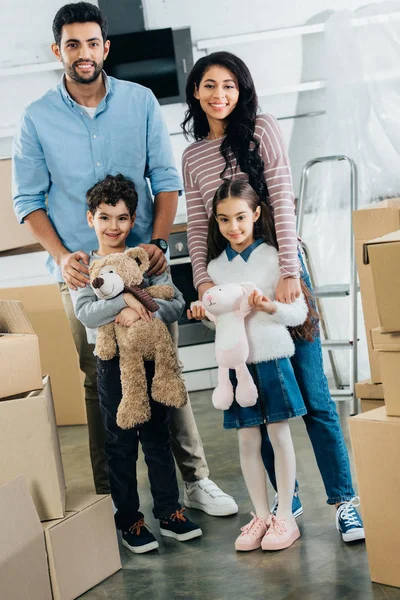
x=61, y=152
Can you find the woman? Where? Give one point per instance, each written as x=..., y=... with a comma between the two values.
x=232, y=141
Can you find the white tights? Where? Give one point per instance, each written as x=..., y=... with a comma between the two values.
x=254, y=472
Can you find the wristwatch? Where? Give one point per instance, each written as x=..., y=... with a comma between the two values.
x=160, y=243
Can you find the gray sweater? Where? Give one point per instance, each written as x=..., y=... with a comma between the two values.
x=94, y=313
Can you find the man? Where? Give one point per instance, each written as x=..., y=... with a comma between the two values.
x=89, y=126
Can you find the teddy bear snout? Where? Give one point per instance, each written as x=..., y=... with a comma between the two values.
x=97, y=282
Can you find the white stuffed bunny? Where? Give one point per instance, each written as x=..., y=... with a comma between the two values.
x=227, y=306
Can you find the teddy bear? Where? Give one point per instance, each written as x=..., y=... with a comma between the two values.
x=123, y=272
x=227, y=307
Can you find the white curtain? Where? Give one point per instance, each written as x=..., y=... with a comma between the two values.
x=362, y=122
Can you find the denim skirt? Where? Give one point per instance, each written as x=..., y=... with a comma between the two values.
x=279, y=396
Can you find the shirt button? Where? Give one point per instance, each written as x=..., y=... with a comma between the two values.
x=98, y=164
x=95, y=136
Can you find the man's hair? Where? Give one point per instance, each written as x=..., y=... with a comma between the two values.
x=79, y=12
x=110, y=190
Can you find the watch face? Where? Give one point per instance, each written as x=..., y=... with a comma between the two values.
x=163, y=245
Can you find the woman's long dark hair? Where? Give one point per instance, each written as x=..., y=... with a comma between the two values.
x=239, y=125
x=264, y=229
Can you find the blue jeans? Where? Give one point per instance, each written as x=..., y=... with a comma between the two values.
x=322, y=421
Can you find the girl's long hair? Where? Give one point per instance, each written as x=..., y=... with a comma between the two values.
x=264, y=229
x=239, y=125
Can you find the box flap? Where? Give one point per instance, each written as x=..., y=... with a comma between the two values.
x=376, y=219
x=389, y=342
x=13, y=318
x=76, y=503
x=394, y=236
x=368, y=390
x=379, y=414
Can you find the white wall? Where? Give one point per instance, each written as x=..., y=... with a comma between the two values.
x=25, y=37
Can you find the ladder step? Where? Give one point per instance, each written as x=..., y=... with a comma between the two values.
x=336, y=344
x=346, y=393
x=332, y=291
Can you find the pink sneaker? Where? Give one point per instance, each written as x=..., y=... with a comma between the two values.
x=252, y=534
x=281, y=533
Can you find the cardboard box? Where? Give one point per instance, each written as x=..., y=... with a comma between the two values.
x=29, y=446
x=58, y=354
x=383, y=254
x=82, y=548
x=368, y=223
x=388, y=346
x=375, y=440
x=370, y=395
x=12, y=234
x=23, y=562
x=20, y=369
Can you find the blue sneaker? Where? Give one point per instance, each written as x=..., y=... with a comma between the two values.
x=348, y=521
x=179, y=527
x=297, y=508
x=138, y=538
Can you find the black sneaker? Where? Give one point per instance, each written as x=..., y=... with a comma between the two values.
x=138, y=538
x=179, y=527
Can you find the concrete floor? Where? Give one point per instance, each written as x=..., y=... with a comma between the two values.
x=317, y=567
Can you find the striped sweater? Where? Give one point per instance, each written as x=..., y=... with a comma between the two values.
x=202, y=164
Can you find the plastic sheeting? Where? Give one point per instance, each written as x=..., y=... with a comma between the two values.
x=362, y=122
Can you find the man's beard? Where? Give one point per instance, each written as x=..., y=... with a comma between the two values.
x=74, y=75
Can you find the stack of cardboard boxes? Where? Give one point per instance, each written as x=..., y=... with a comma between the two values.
x=375, y=433
x=76, y=546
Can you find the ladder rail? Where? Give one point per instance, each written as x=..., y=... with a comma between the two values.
x=353, y=332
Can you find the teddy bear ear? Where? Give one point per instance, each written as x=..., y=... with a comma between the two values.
x=140, y=256
x=94, y=265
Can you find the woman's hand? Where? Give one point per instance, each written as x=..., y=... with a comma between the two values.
x=127, y=317
x=260, y=302
x=288, y=289
x=196, y=311
x=203, y=287
x=134, y=303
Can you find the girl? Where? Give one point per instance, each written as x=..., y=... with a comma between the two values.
x=232, y=141
x=242, y=247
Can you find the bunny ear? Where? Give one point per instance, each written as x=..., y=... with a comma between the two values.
x=248, y=287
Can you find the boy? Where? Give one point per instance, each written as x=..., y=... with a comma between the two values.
x=111, y=213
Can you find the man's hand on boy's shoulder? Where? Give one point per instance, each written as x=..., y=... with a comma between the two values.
x=74, y=270
x=158, y=262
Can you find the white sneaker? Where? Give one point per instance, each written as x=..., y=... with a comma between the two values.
x=205, y=495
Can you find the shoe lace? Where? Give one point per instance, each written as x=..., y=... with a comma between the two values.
x=178, y=515
x=347, y=511
x=254, y=523
x=275, y=524
x=136, y=527
x=211, y=488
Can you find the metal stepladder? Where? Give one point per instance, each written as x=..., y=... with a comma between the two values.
x=341, y=391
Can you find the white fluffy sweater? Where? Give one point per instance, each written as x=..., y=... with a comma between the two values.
x=267, y=334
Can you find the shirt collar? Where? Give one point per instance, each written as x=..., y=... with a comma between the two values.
x=231, y=254
x=71, y=101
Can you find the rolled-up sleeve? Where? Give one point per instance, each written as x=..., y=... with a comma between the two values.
x=160, y=164
x=30, y=178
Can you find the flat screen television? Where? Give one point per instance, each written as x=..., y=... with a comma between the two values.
x=159, y=59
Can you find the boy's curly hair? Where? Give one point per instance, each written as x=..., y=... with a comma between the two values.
x=110, y=190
